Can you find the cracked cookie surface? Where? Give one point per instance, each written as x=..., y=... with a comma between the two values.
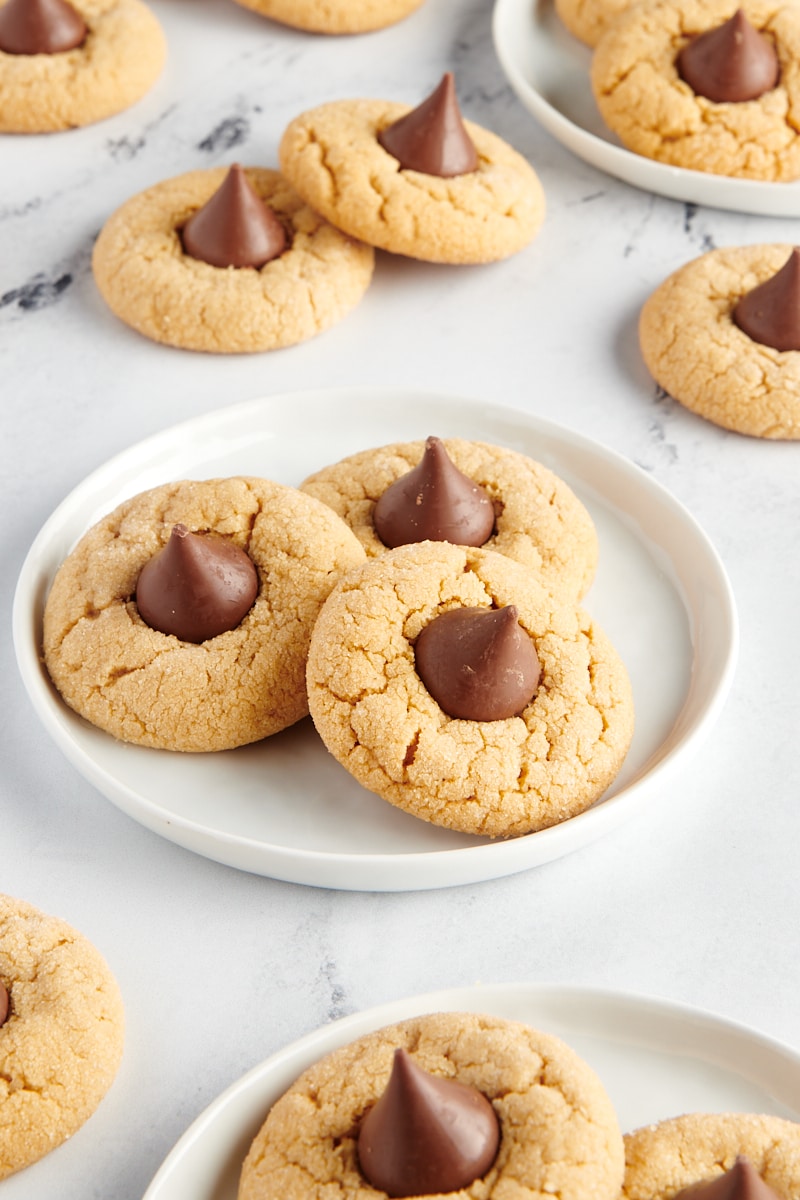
x=153, y=689
x=695, y=352
x=497, y=778
x=559, y=1134
x=588, y=20
x=331, y=154
x=662, y=1159
x=642, y=98
x=119, y=61
x=539, y=521
x=150, y=283
x=334, y=16
x=62, y=1042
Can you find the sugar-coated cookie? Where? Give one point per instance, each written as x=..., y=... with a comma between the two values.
x=152, y=688
x=588, y=20
x=334, y=16
x=643, y=99
x=121, y=58
x=62, y=1038
x=148, y=280
x=498, y=778
x=559, y=1132
x=696, y=352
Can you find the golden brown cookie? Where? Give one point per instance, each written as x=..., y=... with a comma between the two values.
x=559, y=1133
x=151, y=688
x=61, y=1043
x=118, y=62
x=331, y=154
x=695, y=352
x=588, y=20
x=664, y=1158
x=150, y=283
x=497, y=778
x=539, y=520
x=334, y=16
x=642, y=98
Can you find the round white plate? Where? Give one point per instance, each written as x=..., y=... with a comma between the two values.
x=656, y=1059
x=284, y=807
x=548, y=69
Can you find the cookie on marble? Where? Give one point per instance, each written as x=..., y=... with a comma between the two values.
x=588, y=20
x=119, y=60
x=663, y=1159
x=154, y=689
x=334, y=16
x=644, y=100
x=333, y=157
x=558, y=1131
x=499, y=778
x=539, y=520
x=153, y=285
x=696, y=352
x=61, y=1032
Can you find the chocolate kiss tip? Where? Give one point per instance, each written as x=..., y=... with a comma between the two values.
x=426, y=1134
x=196, y=587
x=770, y=313
x=5, y=1003
x=432, y=137
x=434, y=502
x=731, y=63
x=741, y=1182
x=40, y=27
x=235, y=228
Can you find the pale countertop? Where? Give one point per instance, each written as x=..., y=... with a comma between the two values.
x=695, y=900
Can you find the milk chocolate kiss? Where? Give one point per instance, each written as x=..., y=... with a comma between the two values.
x=432, y=138
x=731, y=63
x=198, y=586
x=770, y=314
x=434, y=502
x=235, y=228
x=5, y=1003
x=40, y=27
x=426, y=1134
x=741, y=1182
x=479, y=664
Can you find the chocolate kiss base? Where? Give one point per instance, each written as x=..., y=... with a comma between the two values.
x=741, y=1182
x=730, y=64
x=235, y=228
x=40, y=27
x=432, y=138
x=770, y=313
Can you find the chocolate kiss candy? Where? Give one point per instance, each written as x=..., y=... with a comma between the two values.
x=196, y=587
x=5, y=1003
x=426, y=1134
x=432, y=138
x=40, y=27
x=731, y=63
x=235, y=228
x=434, y=502
x=742, y=1182
x=770, y=314
x=479, y=664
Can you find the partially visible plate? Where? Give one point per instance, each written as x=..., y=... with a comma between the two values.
x=656, y=1059
x=548, y=69
x=284, y=807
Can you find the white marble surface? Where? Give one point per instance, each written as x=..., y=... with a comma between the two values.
x=695, y=900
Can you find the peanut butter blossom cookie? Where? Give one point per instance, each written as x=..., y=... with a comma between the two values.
x=231, y=261
x=705, y=85
x=453, y=1103
x=61, y=1032
x=722, y=336
x=334, y=16
x=450, y=681
x=66, y=64
x=182, y=619
x=419, y=182
x=468, y=493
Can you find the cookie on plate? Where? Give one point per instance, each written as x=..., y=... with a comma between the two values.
x=696, y=351
x=558, y=1130
x=118, y=57
x=551, y=758
x=151, y=282
x=334, y=16
x=158, y=689
x=61, y=1032
x=644, y=99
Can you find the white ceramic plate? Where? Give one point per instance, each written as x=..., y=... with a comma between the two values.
x=284, y=807
x=549, y=71
x=656, y=1059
